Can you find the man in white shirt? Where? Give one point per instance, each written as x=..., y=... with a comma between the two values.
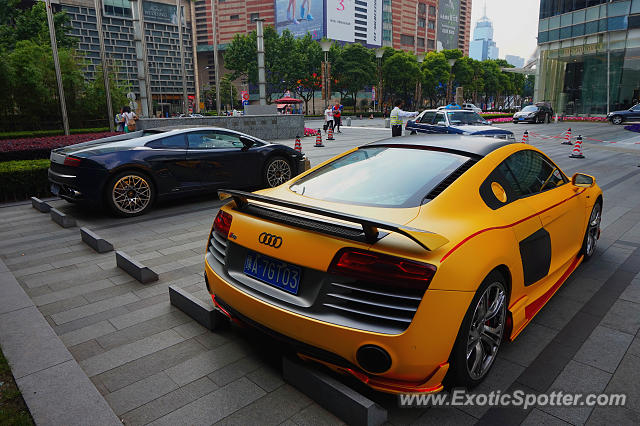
x=396, y=118
x=328, y=119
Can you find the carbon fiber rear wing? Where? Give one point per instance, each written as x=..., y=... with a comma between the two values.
x=428, y=240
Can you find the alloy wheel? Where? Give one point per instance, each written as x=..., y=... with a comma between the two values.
x=486, y=330
x=593, y=229
x=278, y=172
x=131, y=194
x=616, y=120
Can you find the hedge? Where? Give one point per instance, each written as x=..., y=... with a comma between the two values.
x=20, y=180
x=42, y=133
x=40, y=147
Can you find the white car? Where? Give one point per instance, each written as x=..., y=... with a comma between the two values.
x=468, y=107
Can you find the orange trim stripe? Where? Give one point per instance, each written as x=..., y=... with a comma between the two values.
x=457, y=246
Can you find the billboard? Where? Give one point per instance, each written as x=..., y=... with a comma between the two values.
x=340, y=20
x=300, y=17
x=447, y=35
x=161, y=12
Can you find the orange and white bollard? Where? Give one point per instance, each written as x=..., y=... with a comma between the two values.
x=525, y=137
x=567, y=138
x=298, y=146
x=319, y=139
x=577, y=149
x=330, y=136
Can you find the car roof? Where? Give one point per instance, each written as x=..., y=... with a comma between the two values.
x=475, y=146
x=440, y=109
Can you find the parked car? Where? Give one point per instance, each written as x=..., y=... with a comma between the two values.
x=471, y=107
x=128, y=175
x=460, y=122
x=407, y=262
x=619, y=117
x=533, y=114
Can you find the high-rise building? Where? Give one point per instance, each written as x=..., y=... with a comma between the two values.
x=580, y=44
x=483, y=47
x=516, y=61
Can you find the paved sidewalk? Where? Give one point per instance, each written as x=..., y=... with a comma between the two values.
x=153, y=364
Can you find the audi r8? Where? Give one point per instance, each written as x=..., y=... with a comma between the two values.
x=129, y=172
x=458, y=121
x=407, y=262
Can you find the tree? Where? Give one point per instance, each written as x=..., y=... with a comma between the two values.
x=435, y=74
x=31, y=24
x=400, y=73
x=354, y=69
x=310, y=79
x=94, y=99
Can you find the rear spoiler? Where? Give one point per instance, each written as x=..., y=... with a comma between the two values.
x=428, y=240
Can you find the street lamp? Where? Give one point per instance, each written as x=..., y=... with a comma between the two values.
x=326, y=80
x=379, y=54
x=451, y=62
x=420, y=57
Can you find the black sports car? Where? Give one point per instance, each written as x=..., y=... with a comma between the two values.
x=129, y=172
x=534, y=114
x=631, y=114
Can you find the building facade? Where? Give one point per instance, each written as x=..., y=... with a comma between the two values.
x=163, y=51
x=581, y=42
x=516, y=61
x=483, y=47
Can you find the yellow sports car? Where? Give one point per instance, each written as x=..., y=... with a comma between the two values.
x=407, y=261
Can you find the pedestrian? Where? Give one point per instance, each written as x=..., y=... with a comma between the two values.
x=328, y=119
x=130, y=119
x=337, y=113
x=453, y=105
x=119, y=121
x=396, y=118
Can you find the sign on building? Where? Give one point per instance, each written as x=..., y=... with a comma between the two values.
x=448, y=12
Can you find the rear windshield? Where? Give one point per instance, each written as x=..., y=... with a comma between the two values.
x=380, y=177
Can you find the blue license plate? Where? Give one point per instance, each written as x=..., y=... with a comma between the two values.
x=55, y=189
x=274, y=272
x=521, y=118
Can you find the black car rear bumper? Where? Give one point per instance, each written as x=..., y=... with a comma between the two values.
x=83, y=185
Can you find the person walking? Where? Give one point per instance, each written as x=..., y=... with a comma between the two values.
x=130, y=118
x=396, y=118
x=328, y=119
x=119, y=121
x=453, y=105
x=337, y=113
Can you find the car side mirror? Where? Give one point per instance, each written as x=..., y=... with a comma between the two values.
x=247, y=143
x=583, y=181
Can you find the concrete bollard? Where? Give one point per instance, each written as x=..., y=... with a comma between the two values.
x=348, y=121
x=135, y=268
x=387, y=123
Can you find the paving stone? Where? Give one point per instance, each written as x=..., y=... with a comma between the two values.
x=205, y=363
x=67, y=293
x=632, y=292
x=190, y=329
x=93, y=308
x=62, y=305
x=444, y=416
x=625, y=381
x=213, y=340
x=87, y=333
x=604, y=349
x=169, y=402
x=146, y=302
x=41, y=267
x=126, y=353
x=28, y=343
x=577, y=378
x=62, y=395
x=141, y=392
x=634, y=348
x=141, y=330
x=619, y=416
x=127, y=320
x=235, y=370
x=13, y=296
x=557, y=313
x=87, y=321
x=149, y=365
x=85, y=350
x=315, y=415
x=623, y=316
x=214, y=406
x=267, y=377
x=539, y=418
x=263, y=411
x=528, y=344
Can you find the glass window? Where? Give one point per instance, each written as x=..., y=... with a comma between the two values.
x=565, y=32
x=422, y=8
x=566, y=20
x=619, y=8
x=422, y=22
x=602, y=25
x=432, y=11
x=554, y=23
x=528, y=172
x=591, y=27
x=457, y=118
x=543, y=37
x=170, y=142
x=427, y=117
x=617, y=23
x=579, y=16
x=554, y=35
x=577, y=30
x=370, y=176
x=593, y=13
x=213, y=140
x=440, y=118
x=432, y=24
x=543, y=25
x=635, y=6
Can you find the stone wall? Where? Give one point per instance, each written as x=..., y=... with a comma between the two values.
x=267, y=127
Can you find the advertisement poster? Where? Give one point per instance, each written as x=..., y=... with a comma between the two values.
x=160, y=12
x=340, y=20
x=374, y=23
x=300, y=17
x=448, y=24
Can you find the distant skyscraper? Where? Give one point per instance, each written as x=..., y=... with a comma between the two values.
x=516, y=61
x=483, y=47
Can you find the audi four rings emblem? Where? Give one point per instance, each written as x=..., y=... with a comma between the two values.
x=270, y=240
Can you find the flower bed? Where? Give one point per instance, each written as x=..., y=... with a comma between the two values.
x=587, y=119
x=310, y=132
x=40, y=147
x=491, y=115
x=500, y=120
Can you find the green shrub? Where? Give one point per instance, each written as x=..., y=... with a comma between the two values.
x=43, y=133
x=20, y=180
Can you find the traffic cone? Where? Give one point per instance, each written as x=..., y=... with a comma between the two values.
x=577, y=149
x=330, y=136
x=525, y=137
x=567, y=138
x=319, y=139
x=298, y=146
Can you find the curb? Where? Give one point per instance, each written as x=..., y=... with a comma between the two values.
x=204, y=315
x=94, y=241
x=62, y=219
x=134, y=268
x=40, y=205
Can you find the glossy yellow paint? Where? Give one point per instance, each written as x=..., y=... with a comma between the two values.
x=468, y=241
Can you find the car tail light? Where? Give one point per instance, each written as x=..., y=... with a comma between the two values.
x=72, y=161
x=222, y=224
x=382, y=268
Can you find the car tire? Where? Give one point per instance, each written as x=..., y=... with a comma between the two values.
x=617, y=120
x=277, y=171
x=475, y=333
x=592, y=234
x=413, y=132
x=130, y=193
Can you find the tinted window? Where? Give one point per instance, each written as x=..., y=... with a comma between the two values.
x=439, y=118
x=170, y=142
x=371, y=176
x=213, y=140
x=461, y=117
x=427, y=117
x=528, y=172
x=530, y=108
